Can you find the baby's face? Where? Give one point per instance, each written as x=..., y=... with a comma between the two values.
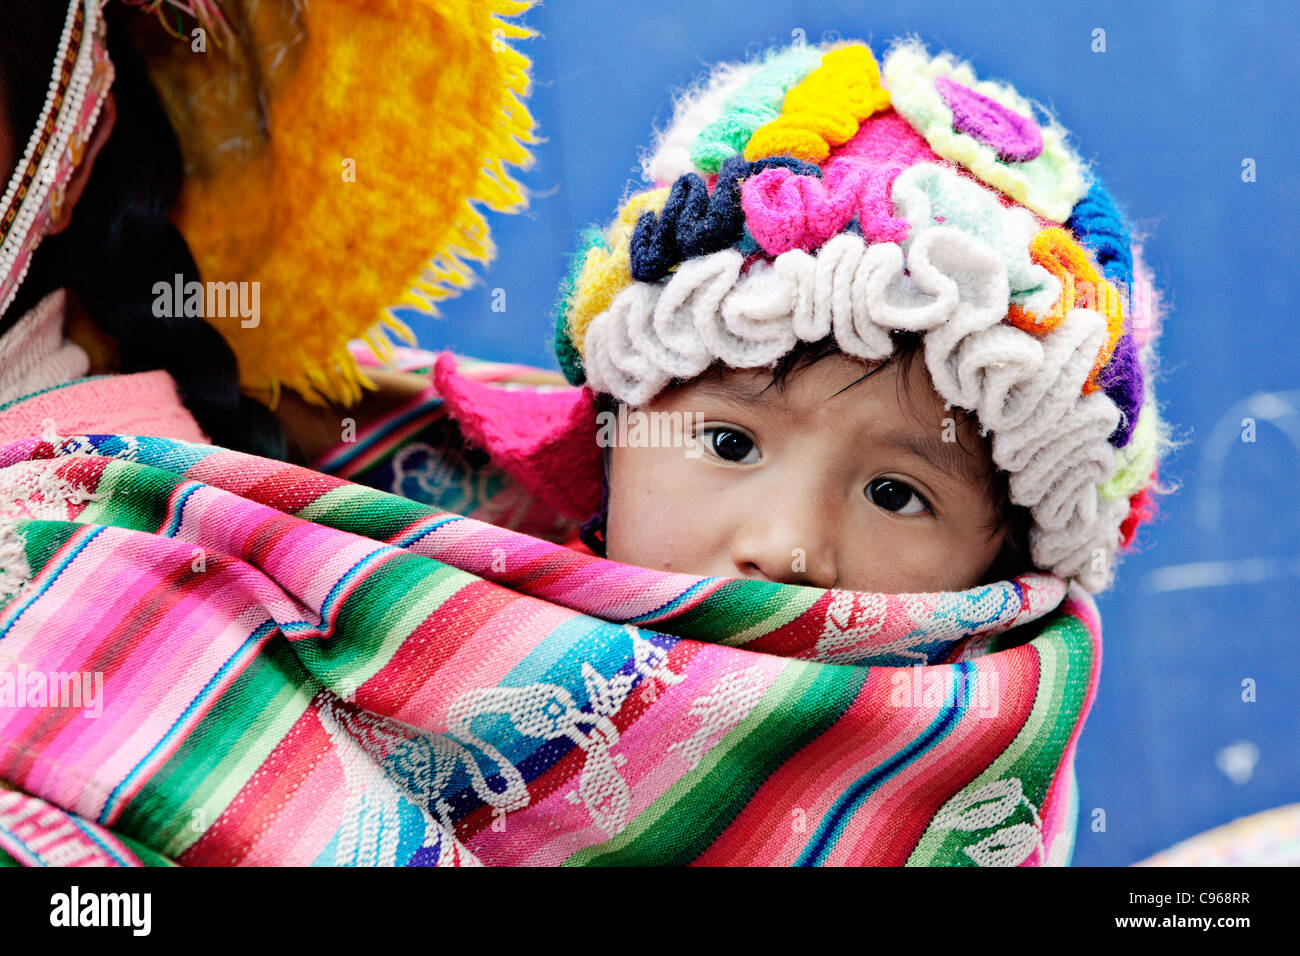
x=856, y=490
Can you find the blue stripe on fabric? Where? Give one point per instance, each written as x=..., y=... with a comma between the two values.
x=178, y=509
x=94, y=837
x=412, y=537
x=837, y=817
x=53, y=577
x=263, y=629
x=330, y=465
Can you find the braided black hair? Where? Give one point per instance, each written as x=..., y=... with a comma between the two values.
x=120, y=242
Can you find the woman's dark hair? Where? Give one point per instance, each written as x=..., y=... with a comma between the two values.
x=1010, y=520
x=120, y=242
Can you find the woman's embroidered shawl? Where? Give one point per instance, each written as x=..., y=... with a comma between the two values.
x=212, y=658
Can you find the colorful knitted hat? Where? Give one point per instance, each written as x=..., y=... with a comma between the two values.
x=808, y=193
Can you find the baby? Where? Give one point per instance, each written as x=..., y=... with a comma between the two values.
x=895, y=309
x=833, y=472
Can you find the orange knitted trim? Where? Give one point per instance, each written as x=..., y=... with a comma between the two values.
x=392, y=129
x=1082, y=285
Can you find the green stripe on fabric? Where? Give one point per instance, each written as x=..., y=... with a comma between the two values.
x=369, y=611
x=148, y=856
x=1065, y=653
x=688, y=817
x=44, y=538
x=218, y=757
x=396, y=623
x=134, y=496
x=744, y=610
x=364, y=511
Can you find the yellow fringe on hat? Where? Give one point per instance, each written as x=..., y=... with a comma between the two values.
x=383, y=120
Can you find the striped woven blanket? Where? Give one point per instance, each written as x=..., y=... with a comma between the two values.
x=209, y=658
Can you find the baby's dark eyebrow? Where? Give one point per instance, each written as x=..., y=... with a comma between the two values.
x=947, y=456
x=733, y=391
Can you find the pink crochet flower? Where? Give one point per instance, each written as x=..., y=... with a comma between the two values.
x=784, y=210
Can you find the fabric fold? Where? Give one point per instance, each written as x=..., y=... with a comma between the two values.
x=295, y=669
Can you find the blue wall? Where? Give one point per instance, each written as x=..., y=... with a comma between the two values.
x=1183, y=93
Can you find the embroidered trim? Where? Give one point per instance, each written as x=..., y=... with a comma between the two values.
x=79, y=85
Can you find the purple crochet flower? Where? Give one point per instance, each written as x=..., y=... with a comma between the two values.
x=1015, y=138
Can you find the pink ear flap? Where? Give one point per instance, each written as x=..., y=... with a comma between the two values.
x=544, y=439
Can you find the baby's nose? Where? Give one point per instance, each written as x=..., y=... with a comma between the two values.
x=789, y=546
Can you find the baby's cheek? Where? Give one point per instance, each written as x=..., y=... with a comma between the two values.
x=952, y=566
x=629, y=532
x=879, y=563
x=903, y=561
x=656, y=519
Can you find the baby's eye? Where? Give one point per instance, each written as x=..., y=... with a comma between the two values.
x=730, y=444
x=894, y=495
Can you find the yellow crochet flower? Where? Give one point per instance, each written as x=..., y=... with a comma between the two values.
x=825, y=109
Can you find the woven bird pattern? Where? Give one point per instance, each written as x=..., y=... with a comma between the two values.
x=290, y=668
